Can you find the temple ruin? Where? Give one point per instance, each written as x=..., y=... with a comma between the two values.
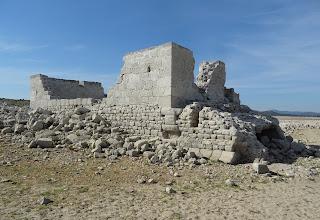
x=157, y=96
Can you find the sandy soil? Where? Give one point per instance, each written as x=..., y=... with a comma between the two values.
x=284, y=118
x=87, y=188
x=306, y=129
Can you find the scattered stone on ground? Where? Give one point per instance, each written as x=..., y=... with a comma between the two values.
x=170, y=190
x=45, y=201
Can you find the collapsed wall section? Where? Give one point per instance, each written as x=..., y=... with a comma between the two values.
x=51, y=92
x=205, y=131
x=211, y=79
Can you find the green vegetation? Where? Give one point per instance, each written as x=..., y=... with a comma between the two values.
x=15, y=102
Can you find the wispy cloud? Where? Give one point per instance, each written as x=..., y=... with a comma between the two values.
x=285, y=53
x=6, y=46
x=263, y=13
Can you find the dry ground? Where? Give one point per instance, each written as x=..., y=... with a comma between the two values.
x=87, y=188
x=307, y=135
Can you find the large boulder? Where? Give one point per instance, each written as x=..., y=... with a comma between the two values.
x=42, y=143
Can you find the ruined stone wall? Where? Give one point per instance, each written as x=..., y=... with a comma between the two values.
x=63, y=104
x=156, y=96
x=47, y=92
x=211, y=79
x=160, y=75
x=208, y=133
x=232, y=96
x=135, y=119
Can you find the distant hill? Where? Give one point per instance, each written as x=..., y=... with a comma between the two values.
x=291, y=113
x=15, y=102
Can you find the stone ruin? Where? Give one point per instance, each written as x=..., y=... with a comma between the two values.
x=156, y=96
x=48, y=92
x=164, y=76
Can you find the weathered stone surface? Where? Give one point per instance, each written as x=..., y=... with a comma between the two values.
x=163, y=74
x=139, y=143
x=97, y=149
x=297, y=147
x=102, y=143
x=260, y=168
x=170, y=190
x=38, y=125
x=6, y=130
x=148, y=154
x=45, y=89
x=195, y=151
x=231, y=182
x=33, y=144
x=45, y=143
x=96, y=118
x=156, y=108
x=206, y=153
x=77, y=137
x=216, y=154
x=45, y=201
x=229, y=157
x=133, y=153
x=81, y=111
x=19, y=128
x=211, y=79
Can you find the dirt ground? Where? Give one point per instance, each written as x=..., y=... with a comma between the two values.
x=82, y=187
x=307, y=135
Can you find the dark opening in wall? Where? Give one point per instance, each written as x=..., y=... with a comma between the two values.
x=149, y=69
x=195, y=119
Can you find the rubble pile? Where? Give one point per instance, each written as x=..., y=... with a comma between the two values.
x=88, y=130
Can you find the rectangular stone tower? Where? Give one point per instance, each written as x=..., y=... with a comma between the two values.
x=160, y=75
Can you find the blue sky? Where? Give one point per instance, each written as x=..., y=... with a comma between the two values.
x=271, y=47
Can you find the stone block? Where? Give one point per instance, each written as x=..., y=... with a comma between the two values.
x=171, y=128
x=229, y=157
x=206, y=153
x=196, y=151
x=260, y=168
x=216, y=154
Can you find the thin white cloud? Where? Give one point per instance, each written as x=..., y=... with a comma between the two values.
x=6, y=46
x=263, y=13
x=284, y=54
